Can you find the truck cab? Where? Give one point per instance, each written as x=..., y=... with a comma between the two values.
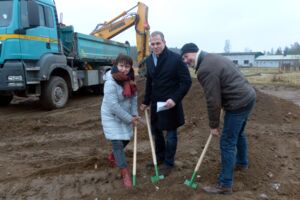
x=40, y=57
x=24, y=39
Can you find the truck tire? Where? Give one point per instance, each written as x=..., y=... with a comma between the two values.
x=5, y=100
x=55, y=93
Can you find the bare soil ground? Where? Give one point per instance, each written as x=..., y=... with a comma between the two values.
x=61, y=154
x=291, y=93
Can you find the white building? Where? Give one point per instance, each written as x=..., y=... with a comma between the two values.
x=242, y=59
x=280, y=61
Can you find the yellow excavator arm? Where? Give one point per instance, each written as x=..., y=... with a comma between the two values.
x=125, y=20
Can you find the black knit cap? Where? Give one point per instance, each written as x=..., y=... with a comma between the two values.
x=189, y=48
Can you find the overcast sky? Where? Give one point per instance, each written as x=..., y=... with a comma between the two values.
x=258, y=25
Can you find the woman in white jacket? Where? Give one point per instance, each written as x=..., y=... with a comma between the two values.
x=119, y=112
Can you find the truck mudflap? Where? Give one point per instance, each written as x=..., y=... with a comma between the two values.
x=12, y=77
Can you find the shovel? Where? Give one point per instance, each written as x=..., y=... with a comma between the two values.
x=134, y=157
x=191, y=183
x=156, y=177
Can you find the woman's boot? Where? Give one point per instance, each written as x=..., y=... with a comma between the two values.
x=126, y=177
x=111, y=160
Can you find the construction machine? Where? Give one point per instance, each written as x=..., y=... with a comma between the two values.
x=43, y=58
x=125, y=20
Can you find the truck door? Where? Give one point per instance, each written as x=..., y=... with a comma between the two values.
x=41, y=39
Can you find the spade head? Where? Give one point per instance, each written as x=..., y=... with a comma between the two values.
x=191, y=183
x=134, y=181
x=156, y=178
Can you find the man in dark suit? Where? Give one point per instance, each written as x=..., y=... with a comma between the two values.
x=168, y=81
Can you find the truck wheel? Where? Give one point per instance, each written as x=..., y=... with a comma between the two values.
x=55, y=93
x=5, y=99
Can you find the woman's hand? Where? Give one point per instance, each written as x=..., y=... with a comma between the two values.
x=135, y=120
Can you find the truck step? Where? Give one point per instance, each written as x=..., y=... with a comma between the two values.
x=32, y=82
x=33, y=68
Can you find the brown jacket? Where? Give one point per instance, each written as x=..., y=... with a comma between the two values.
x=224, y=86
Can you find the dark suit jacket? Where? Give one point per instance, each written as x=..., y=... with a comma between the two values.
x=169, y=79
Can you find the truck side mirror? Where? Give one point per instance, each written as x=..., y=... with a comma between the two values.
x=33, y=14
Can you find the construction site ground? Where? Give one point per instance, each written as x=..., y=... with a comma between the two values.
x=61, y=154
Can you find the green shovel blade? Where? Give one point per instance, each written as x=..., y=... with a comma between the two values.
x=134, y=180
x=156, y=178
x=191, y=184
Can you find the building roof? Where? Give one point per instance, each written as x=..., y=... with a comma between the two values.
x=277, y=57
x=257, y=53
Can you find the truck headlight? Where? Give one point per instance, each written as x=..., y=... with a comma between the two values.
x=15, y=78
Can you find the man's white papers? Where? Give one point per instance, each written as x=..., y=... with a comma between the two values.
x=161, y=106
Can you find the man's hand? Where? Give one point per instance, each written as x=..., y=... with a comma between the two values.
x=170, y=103
x=143, y=107
x=215, y=132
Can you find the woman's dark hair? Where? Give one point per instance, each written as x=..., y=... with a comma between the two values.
x=122, y=58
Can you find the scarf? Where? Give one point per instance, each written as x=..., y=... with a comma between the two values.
x=126, y=81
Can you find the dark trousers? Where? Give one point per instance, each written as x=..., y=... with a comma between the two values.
x=165, y=147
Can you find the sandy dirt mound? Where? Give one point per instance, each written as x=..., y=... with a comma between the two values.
x=61, y=154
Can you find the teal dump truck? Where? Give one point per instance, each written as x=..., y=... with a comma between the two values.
x=40, y=57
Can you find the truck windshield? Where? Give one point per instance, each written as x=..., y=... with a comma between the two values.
x=5, y=12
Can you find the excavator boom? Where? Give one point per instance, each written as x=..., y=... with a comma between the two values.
x=124, y=21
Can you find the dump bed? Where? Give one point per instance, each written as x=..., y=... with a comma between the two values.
x=90, y=48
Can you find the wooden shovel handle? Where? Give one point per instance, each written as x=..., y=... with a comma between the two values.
x=134, y=151
x=203, y=153
x=150, y=138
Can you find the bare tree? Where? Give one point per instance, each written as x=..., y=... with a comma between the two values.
x=278, y=51
x=286, y=51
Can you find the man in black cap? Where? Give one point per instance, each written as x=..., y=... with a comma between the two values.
x=225, y=88
x=189, y=48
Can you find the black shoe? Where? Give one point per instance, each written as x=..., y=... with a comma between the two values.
x=218, y=189
x=150, y=165
x=165, y=170
x=240, y=168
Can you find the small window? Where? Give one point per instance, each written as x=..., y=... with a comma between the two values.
x=49, y=17
x=5, y=13
x=235, y=62
x=42, y=16
x=246, y=62
x=45, y=15
x=24, y=14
